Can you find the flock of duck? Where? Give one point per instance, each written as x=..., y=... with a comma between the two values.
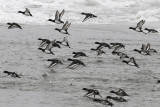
x=46, y=46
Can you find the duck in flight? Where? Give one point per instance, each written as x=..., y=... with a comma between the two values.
x=105, y=101
x=138, y=28
x=99, y=51
x=131, y=62
x=75, y=63
x=118, y=99
x=102, y=44
x=116, y=49
x=91, y=92
x=26, y=12
x=14, y=25
x=151, y=30
x=78, y=54
x=114, y=45
x=54, y=62
x=143, y=50
x=122, y=55
x=12, y=74
x=48, y=48
x=64, y=29
x=120, y=92
x=58, y=17
x=44, y=42
x=64, y=42
x=88, y=15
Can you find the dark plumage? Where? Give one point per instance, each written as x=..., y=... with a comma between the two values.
x=151, y=30
x=104, y=101
x=75, y=63
x=26, y=12
x=54, y=62
x=120, y=92
x=131, y=62
x=64, y=42
x=49, y=47
x=58, y=17
x=114, y=45
x=102, y=44
x=91, y=92
x=13, y=74
x=44, y=42
x=88, y=15
x=138, y=28
x=142, y=52
x=14, y=25
x=122, y=55
x=64, y=29
x=78, y=54
x=99, y=51
x=118, y=99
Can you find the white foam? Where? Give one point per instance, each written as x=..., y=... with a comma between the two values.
x=108, y=11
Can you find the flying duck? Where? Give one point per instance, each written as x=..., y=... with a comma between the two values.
x=75, y=63
x=114, y=45
x=58, y=17
x=122, y=55
x=88, y=15
x=78, y=54
x=44, y=42
x=54, y=62
x=148, y=49
x=118, y=99
x=151, y=30
x=138, y=28
x=131, y=62
x=102, y=44
x=120, y=92
x=116, y=49
x=91, y=92
x=14, y=25
x=26, y=12
x=99, y=51
x=104, y=101
x=12, y=74
x=64, y=29
x=64, y=42
x=48, y=48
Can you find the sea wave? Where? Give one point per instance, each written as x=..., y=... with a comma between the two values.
x=108, y=11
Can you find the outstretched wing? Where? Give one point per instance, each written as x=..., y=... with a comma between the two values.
x=143, y=48
x=139, y=25
x=57, y=15
x=50, y=45
x=87, y=17
x=27, y=10
x=61, y=14
x=148, y=46
x=132, y=60
x=66, y=26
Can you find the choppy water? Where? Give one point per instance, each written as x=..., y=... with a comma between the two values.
x=63, y=87
x=108, y=11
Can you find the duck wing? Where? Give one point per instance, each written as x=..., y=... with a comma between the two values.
x=139, y=25
x=65, y=26
x=57, y=15
x=86, y=18
x=61, y=14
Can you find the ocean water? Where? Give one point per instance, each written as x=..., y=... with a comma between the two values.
x=108, y=11
x=59, y=86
